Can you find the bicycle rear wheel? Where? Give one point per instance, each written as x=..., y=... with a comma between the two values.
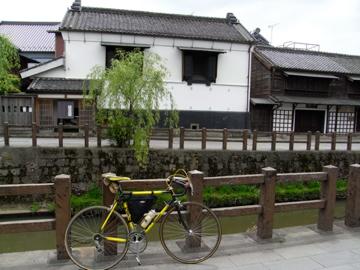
x=190, y=233
x=85, y=241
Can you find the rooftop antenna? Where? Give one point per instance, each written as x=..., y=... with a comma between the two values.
x=271, y=26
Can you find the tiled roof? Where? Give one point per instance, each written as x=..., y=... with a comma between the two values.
x=153, y=24
x=30, y=36
x=57, y=86
x=294, y=59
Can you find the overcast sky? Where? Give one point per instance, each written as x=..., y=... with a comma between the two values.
x=333, y=24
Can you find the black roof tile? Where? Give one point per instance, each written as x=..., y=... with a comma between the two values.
x=57, y=86
x=313, y=61
x=153, y=24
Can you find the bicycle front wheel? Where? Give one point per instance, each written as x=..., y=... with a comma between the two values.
x=88, y=246
x=190, y=232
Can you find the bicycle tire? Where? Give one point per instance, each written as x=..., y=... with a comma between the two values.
x=195, y=244
x=80, y=243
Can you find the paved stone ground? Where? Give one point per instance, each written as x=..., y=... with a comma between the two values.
x=282, y=145
x=294, y=248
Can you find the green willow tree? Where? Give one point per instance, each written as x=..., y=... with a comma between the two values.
x=9, y=64
x=127, y=97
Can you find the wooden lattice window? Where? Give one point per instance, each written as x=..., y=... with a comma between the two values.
x=282, y=120
x=344, y=123
x=86, y=114
x=46, y=113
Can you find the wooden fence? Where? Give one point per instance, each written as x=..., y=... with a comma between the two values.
x=267, y=207
x=249, y=140
x=62, y=191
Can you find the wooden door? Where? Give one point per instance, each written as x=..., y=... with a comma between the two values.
x=309, y=120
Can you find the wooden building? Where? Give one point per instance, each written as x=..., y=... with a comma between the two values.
x=299, y=90
x=59, y=100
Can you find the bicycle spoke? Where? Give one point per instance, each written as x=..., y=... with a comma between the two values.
x=87, y=247
x=197, y=243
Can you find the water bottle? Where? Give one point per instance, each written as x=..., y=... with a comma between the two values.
x=147, y=219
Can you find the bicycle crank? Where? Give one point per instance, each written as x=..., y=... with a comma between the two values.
x=137, y=244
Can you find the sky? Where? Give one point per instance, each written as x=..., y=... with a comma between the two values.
x=332, y=24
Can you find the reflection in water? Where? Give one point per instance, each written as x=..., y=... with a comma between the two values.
x=46, y=240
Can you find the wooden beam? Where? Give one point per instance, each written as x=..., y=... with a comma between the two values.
x=328, y=193
x=254, y=144
x=203, y=138
x=62, y=212
x=237, y=210
x=301, y=177
x=143, y=184
x=170, y=138
x=234, y=180
x=267, y=201
x=352, y=210
x=27, y=225
x=292, y=206
x=26, y=189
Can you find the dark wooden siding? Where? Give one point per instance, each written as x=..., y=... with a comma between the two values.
x=261, y=117
x=260, y=79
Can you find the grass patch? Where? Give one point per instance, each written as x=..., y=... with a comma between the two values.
x=91, y=198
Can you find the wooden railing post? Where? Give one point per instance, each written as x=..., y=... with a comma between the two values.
x=328, y=193
x=108, y=199
x=225, y=137
x=98, y=135
x=267, y=201
x=352, y=209
x=349, y=141
x=33, y=134
x=86, y=135
x=61, y=135
x=203, y=138
x=254, y=142
x=170, y=138
x=182, y=137
x=317, y=140
x=308, y=141
x=6, y=134
x=245, y=139
x=197, y=180
x=333, y=141
x=291, y=141
x=62, y=212
x=273, y=141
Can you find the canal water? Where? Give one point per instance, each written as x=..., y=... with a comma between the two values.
x=18, y=242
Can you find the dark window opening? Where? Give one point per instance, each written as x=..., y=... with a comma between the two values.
x=199, y=67
x=194, y=126
x=354, y=89
x=308, y=85
x=112, y=51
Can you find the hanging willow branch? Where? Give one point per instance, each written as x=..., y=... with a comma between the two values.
x=128, y=97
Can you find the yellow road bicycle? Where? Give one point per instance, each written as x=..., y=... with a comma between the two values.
x=99, y=237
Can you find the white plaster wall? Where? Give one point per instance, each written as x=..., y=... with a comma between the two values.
x=54, y=73
x=84, y=50
x=82, y=56
x=172, y=60
x=199, y=97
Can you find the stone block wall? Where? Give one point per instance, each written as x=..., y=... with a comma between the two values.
x=40, y=165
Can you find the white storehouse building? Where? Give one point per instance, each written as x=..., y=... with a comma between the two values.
x=208, y=60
